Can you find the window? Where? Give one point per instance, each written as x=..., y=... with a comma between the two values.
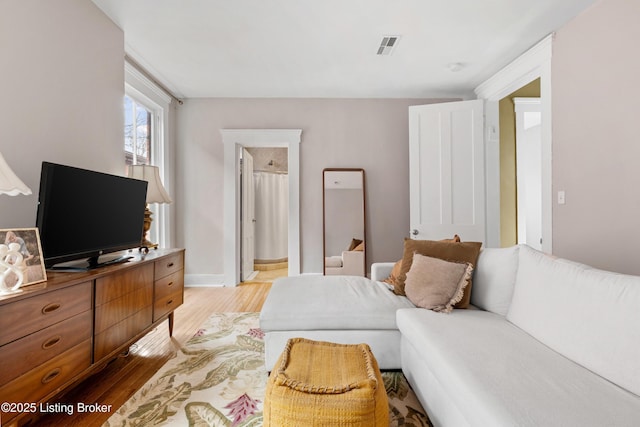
x=137, y=133
x=146, y=131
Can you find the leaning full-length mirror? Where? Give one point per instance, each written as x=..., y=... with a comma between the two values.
x=344, y=222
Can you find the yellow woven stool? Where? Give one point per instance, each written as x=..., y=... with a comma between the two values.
x=317, y=383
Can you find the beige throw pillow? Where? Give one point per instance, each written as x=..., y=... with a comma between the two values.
x=436, y=284
x=394, y=277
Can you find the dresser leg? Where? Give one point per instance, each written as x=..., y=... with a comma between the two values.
x=171, y=324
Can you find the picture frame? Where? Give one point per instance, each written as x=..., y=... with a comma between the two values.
x=33, y=269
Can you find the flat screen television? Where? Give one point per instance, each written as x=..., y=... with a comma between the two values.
x=85, y=214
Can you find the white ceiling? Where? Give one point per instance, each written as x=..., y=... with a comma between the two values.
x=327, y=48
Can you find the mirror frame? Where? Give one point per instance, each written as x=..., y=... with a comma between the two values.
x=364, y=216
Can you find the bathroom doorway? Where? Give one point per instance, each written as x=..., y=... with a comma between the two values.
x=234, y=140
x=265, y=194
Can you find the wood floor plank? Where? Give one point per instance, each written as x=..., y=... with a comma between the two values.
x=121, y=378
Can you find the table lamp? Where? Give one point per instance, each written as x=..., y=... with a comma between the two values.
x=155, y=194
x=11, y=260
x=9, y=183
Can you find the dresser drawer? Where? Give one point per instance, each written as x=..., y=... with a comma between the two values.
x=125, y=306
x=114, y=337
x=32, y=351
x=37, y=383
x=29, y=315
x=168, y=285
x=167, y=304
x=168, y=265
x=116, y=285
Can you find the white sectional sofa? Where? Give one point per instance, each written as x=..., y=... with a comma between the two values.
x=548, y=342
x=342, y=309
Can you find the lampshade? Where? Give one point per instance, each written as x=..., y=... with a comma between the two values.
x=9, y=183
x=155, y=191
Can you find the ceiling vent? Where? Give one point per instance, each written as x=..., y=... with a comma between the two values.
x=388, y=44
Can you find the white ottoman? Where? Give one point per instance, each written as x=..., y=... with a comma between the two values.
x=340, y=309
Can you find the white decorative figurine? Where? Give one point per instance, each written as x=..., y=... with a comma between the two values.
x=11, y=261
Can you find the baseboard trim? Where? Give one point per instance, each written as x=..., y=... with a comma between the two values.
x=203, y=280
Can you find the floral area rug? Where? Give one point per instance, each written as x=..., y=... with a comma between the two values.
x=218, y=379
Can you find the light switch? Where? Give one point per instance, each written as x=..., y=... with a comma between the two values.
x=561, y=199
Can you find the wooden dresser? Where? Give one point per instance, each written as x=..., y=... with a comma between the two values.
x=56, y=333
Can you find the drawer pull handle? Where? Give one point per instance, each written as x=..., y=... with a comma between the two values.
x=169, y=284
x=51, y=342
x=170, y=302
x=51, y=375
x=170, y=265
x=50, y=308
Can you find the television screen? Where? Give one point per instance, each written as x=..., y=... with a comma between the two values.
x=84, y=214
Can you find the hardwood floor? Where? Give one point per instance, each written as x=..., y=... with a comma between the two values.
x=122, y=377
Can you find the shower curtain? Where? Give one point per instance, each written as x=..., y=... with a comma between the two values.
x=272, y=216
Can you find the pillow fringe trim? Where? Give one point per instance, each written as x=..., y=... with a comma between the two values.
x=464, y=282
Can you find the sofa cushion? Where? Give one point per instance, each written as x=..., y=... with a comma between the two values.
x=448, y=251
x=333, y=261
x=590, y=316
x=330, y=302
x=436, y=284
x=498, y=375
x=494, y=278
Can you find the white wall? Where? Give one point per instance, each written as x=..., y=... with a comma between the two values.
x=62, y=83
x=360, y=133
x=596, y=143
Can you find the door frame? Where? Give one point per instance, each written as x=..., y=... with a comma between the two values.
x=534, y=63
x=234, y=140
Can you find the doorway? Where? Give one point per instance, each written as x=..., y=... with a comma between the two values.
x=234, y=141
x=512, y=184
x=264, y=213
x=535, y=64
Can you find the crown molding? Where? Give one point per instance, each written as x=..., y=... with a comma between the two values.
x=524, y=69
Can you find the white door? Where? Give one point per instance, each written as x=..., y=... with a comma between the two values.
x=248, y=216
x=529, y=171
x=446, y=171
